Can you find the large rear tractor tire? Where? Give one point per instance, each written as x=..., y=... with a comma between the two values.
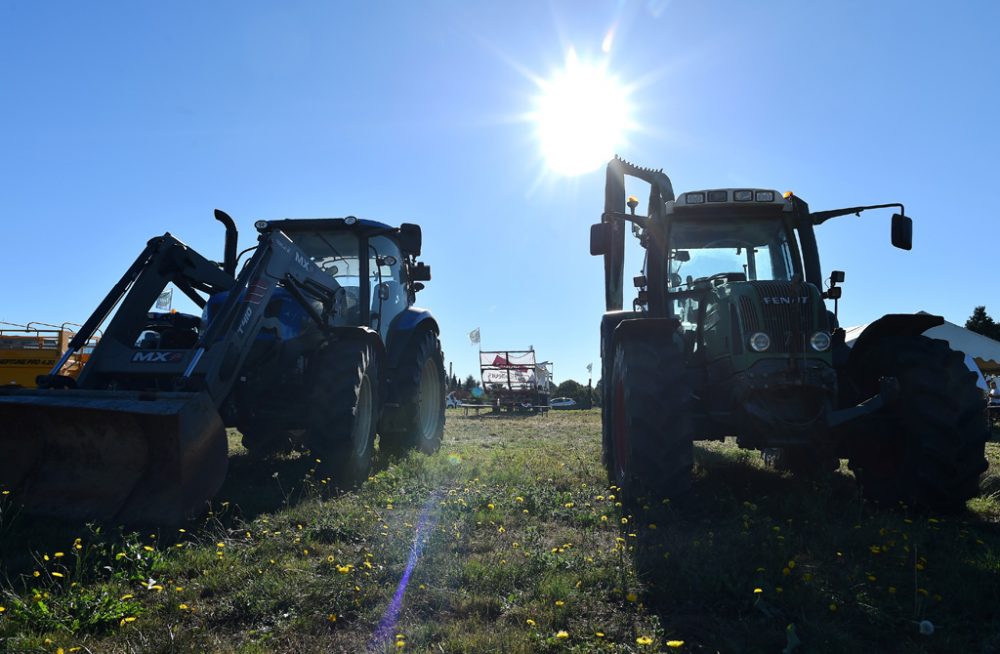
x=345, y=411
x=651, y=446
x=418, y=422
x=933, y=450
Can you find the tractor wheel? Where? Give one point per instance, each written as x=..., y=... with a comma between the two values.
x=345, y=410
x=607, y=398
x=652, y=450
x=418, y=422
x=933, y=448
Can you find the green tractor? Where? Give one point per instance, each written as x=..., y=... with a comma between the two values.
x=729, y=335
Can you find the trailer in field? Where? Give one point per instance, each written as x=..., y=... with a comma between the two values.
x=516, y=380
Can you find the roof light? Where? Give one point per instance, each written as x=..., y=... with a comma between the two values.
x=787, y=194
x=350, y=220
x=694, y=198
x=743, y=195
x=764, y=196
x=717, y=196
x=260, y=225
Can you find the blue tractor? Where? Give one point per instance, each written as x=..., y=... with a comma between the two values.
x=315, y=344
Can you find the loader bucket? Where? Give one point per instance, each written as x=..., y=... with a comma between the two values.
x=128, y=457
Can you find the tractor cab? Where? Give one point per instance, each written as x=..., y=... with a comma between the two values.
x=373, y=264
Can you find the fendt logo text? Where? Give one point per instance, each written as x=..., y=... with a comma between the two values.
x=786, y=300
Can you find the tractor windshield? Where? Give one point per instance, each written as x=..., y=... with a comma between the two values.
x=738, y=248
x=336, y=252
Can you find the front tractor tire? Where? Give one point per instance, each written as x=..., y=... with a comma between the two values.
x=345, y=410
x=932, y=449
x=650, y=449
x=418, y=422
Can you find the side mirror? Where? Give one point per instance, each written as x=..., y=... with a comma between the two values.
x=420, y=273
x=902, y=231
x=681, y=255
x=837, y=277
x=410, y=239
x=600, y=239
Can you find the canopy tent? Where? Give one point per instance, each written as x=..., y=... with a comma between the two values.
x=984, y=351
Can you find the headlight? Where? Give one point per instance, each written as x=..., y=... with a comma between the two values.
x=760, y=341
x=820, y=341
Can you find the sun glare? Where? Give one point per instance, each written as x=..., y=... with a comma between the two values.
x=582, y=117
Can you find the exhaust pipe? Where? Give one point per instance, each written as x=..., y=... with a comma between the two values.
x=229, y=260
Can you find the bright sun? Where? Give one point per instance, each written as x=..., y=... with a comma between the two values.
x=581, y=117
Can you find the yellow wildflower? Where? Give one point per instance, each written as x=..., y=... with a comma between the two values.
x=644, y=640
x=562, y=634
x=675, y=643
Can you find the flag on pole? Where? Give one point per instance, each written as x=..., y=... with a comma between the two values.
x=474, y=336
x=165, y=300
x=590, y=367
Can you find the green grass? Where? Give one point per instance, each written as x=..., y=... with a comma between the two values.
x=518, y=541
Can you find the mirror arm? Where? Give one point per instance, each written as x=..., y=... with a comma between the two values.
x=820, y=217
x=641, y=221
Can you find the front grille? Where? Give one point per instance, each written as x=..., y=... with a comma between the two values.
x=771, y=315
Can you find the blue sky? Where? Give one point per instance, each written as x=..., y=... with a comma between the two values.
x=121, y=120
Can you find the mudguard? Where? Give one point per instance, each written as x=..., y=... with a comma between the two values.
x=409, y=322
x=892, y=324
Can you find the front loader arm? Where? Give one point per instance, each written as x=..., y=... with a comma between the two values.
x=222, y=348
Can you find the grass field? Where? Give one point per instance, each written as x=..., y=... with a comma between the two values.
x=509, y=540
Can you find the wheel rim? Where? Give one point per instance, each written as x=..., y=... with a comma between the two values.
x=620, y=432
x=430, y=400
x=362, y=419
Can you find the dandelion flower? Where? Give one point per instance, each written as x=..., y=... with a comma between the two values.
x=599, y=634
x=183, y=607
x=644, y=640
x=530, y=622
x=58, y=574
x=675, y=643
x=559, y=602
x=332, y=617
x=758, y=591
x=631, y=597
x=2, y=609
x=490, y=506
x=562, y=634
